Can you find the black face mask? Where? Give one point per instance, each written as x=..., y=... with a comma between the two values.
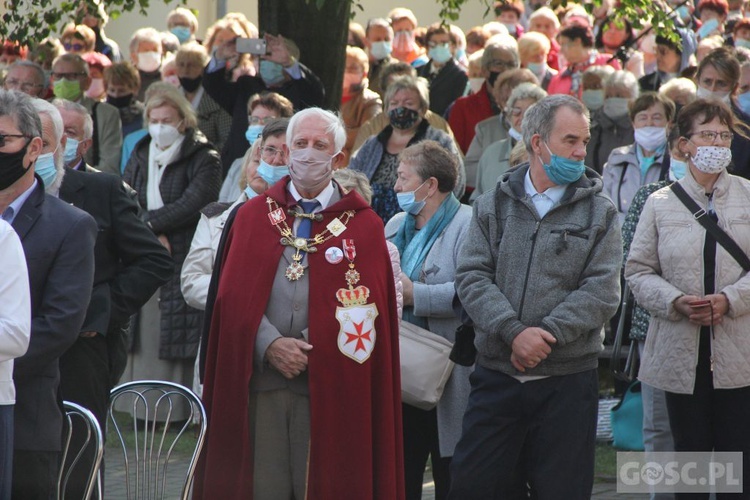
x=403, y=118
x=191, y=84
x=120, y=102
x=11, y=167
x=493, y=77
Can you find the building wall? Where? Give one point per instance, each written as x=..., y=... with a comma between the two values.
x=426, y=11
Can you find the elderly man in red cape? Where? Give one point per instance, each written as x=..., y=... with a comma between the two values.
x=302, y=385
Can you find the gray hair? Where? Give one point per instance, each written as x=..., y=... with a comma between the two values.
x=381, y=22
x=274, y=128
x=622, y=79
x=75, y=59
x=334, y=126
x=21, y=63
x=187, y=14
x=602, y=71
x=546, y=13
x=505, y=43
x=88, y=122
x=20, y=108
x=525, y=91
x=144, y=35
x=406, y=82
x=355, y=180
x=540, y=118
x=430, y=159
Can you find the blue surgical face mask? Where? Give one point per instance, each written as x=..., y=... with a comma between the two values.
x=407, y=201
x=539, y=69
x=253, y=132
x=707, y=28
x=250, y=193
x=741, y=42
x=563, y=171
x=381, y=50
x=744, y=101
x=677, y=168
x=441, y=54
x=45, y=167
x=271, y=72
x=684, y=12
x=271, y=174
x=71, y=151
x=182, y=33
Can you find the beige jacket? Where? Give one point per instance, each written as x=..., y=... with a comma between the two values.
x=666, y=261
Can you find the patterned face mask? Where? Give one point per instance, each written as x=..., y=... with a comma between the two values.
x=712, y=159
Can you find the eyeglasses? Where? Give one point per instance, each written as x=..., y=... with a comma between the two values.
x=711, y=135
x=515, y=111
x=256, y=120
x=24, y=86
x=5, y=136
x=498, y=64
x=74, y=46
x=67, y=76
x=270, y=152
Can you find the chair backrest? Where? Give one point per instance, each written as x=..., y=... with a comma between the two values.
x=78, y=417
x=142, y=415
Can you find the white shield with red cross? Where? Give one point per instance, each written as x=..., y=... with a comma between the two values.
x=356, y=338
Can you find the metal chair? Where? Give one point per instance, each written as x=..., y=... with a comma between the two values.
x=93, y=440
x=150, y=405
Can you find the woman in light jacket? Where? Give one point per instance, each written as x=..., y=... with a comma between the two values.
x=429, y=234
x=698, y=342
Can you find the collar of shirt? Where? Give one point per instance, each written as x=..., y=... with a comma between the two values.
x=543, y=201
x=9, y=214
x=79, y=166
x=324, y=197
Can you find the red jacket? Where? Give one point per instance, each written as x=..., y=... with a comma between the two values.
x=466, y=113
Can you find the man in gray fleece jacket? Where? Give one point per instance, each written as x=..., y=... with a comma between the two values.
x=539, y=276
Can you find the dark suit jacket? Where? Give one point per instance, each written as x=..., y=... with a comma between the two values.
x=130, y=263
x=304, y=93
x=446, y=85
x=58, y=241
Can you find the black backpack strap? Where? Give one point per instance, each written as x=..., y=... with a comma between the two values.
x=712, y=227
x=95, y=146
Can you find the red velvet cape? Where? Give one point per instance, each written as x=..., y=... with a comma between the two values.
x=356, y=449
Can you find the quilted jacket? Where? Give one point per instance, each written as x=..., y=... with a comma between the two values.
x=189, y=183
x=666, y=261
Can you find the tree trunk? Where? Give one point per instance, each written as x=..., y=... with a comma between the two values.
x=321, y=35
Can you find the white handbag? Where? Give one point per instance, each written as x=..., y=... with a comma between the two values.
x=425, y=367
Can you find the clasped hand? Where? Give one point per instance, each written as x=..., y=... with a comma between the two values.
x=699, y=313
x=288, y=356
x=531, y=347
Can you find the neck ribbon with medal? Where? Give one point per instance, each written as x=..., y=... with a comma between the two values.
x=277, y=216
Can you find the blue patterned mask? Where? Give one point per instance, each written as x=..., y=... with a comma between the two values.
x=270, y=174
x=563, y=171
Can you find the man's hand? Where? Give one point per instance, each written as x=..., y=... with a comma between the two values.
x=277, y=51
x=531, y=347
x=288, y=356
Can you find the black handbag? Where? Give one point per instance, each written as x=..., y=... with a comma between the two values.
x=721, y=237
x=464, y=352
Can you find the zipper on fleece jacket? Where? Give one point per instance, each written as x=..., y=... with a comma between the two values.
x=528, y=269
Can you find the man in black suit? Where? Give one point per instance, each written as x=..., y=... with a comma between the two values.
x=130, y=265
x=58, y=242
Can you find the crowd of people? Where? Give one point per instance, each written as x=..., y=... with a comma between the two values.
x=188, y=212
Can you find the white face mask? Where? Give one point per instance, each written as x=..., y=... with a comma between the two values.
x=615, y=107
x=712, y=159
x=651, y=138
x=704, y=93
x=163, y=135
x=149, y=62
x=476, y=84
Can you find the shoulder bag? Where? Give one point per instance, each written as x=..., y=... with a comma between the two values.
x=425, y=367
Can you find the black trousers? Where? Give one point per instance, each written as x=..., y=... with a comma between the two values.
x=35, y=474
x=421, y=441
x=711, y=419
x=85, y=380
x=538, y=433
